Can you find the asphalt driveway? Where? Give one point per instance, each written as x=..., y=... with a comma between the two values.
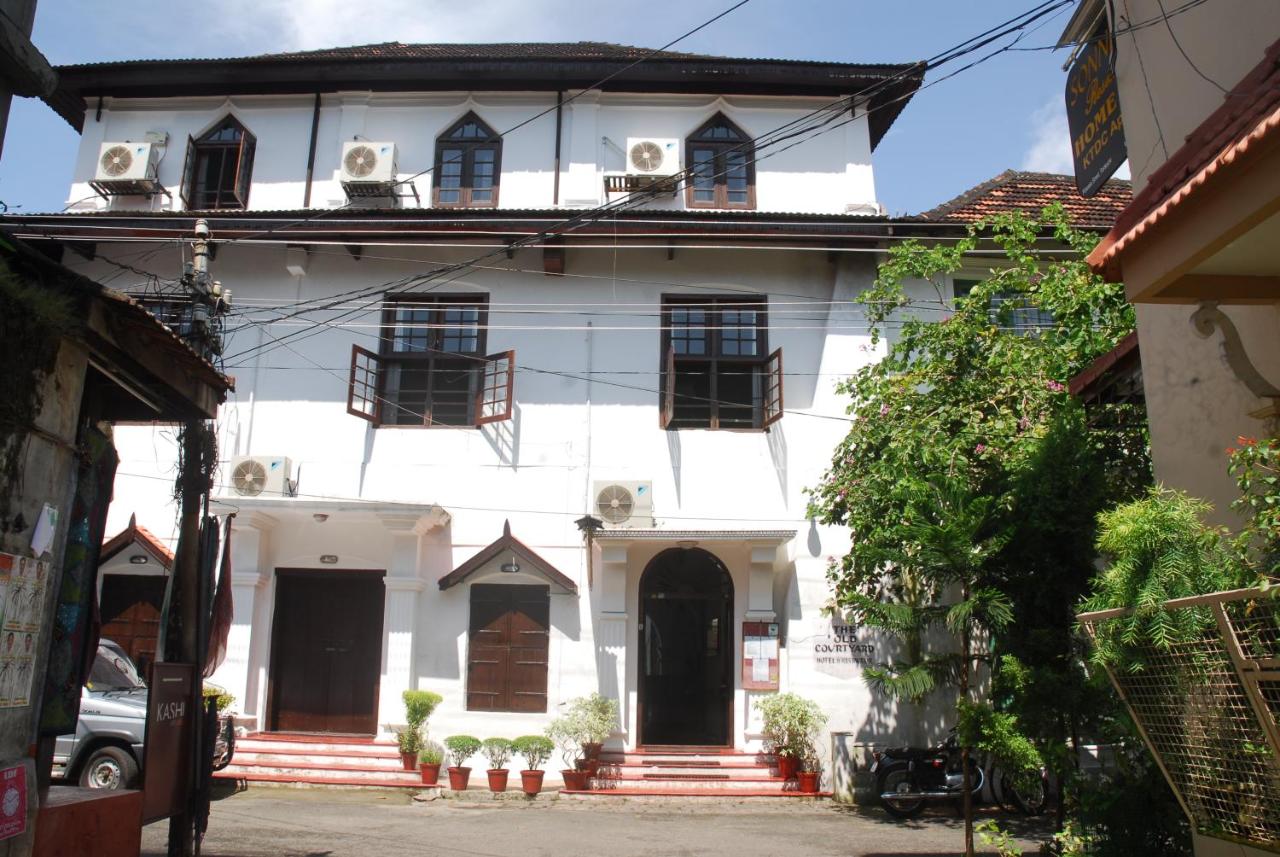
x=284, y=822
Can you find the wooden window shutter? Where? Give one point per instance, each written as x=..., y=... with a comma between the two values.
x=362, y=386
x=244, y=167
x=497, y=388
x=187, y=191
x=772, y=389
x=508, y=643
x=667, y=407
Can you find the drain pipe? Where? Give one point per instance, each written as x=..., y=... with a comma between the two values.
x=555, y=199
x=311, y=153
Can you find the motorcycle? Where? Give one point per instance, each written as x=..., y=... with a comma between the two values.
x=907, y=778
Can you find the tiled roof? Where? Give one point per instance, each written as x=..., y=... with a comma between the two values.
x=493, y=50
x=1250, y=113
x=137, y=534
x=1030, y=193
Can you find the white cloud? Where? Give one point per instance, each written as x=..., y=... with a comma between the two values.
x=1050, y=150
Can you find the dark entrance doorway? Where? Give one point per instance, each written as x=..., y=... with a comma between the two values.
x=326, y=652
x=686, y=650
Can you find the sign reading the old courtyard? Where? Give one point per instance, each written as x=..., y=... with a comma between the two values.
x=842, y=650
x=1093, y=115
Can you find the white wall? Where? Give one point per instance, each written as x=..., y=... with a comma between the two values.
x=825, y=174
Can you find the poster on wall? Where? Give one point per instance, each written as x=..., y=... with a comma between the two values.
x=760, y=655
x=22, y=586
x=13, y=801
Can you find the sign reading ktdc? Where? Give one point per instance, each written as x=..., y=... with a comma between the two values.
x=1093, y=115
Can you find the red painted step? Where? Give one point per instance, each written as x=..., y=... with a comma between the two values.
x=675, y=792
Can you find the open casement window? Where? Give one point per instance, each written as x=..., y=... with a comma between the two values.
x=219, y=167
x=468, y=165
x=715, y=372
x=508, y=641
x=721, y=161
x=431, y=369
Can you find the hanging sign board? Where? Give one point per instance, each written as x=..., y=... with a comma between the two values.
x=760, y=655
x=170, y=721
x=1093, y=115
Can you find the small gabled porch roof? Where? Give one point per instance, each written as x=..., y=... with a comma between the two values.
x=525, y=558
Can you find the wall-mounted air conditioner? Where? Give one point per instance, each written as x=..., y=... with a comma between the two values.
x=624, y=504
x=127, y=168
x=262, y=476
x=368, y=163
x=653, y=156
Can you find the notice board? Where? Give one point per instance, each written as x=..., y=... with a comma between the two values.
x=170, y=723
x=760, y=645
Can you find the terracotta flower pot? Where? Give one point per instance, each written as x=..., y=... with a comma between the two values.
x=576, y=781
x=531, y=782
x=787, y=767
x=497, y=779
x=409, y=760
x=458, y=778
x=808, y=781
x=590, y=767
x=430, y=773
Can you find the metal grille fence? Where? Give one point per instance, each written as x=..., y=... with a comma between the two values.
x=1208, y=707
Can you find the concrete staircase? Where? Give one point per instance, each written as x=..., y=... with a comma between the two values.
x=318, y=760
x=692, y=772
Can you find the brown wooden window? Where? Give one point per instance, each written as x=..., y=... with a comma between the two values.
x=430, y=368
x=717, y=371
x=468, y=165
x=721, y=163
x=218, y=168
x=507, y=647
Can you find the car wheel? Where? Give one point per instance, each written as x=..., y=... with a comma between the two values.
x=109, y=768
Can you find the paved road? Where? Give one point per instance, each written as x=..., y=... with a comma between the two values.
x=274, y=822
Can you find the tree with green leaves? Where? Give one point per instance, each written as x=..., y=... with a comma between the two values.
x=955, y=434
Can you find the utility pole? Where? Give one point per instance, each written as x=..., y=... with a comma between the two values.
x=188, y=611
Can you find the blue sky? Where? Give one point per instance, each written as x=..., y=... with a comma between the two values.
x=1005, y=113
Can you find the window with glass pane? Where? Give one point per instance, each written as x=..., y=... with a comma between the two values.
x=716, y=370
x=722, y=159
x=218, y=167
x=432, y=360
x=1020, y=317
x=468, y=165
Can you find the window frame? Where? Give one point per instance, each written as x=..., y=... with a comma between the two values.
x=765, y=366
x=1040, y=319
x=719, y=148
x=467, y=175
x=199, y=149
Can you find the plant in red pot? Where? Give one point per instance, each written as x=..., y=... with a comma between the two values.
x=566, y=733
x=597, y=716
x=498, y=752
x=429, y=759
x=810, y=772
x=409, y=742
x=418, y=706
x=791, y=726
x=536, y=750
x=461, y=748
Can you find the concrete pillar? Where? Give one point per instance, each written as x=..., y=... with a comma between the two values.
x=611, y=640
x=243, y=673
x=582, y=185
x=400, y=617
x=760, y=585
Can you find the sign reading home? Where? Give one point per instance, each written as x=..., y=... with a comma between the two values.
x=842, y=650
x=1093, y=115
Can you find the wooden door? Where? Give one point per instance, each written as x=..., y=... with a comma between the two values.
x=327, y=652
x=130, y=609
x=507, y=649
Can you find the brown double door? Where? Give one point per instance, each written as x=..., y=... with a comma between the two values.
x=130, y=609
x=326, y=652
x=507, y=649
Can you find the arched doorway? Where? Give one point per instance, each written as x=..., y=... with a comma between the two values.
x=686, y=650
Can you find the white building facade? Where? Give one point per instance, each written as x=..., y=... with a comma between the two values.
x=443, y=372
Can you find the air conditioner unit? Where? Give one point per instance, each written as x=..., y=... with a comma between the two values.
x=127, y=168
x=366, y=163
x=653, y=156
x=624, y=504
x=262, y=476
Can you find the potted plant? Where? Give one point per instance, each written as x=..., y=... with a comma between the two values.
x=498, y=752
x=410, y=744
x=596, y=716
x=810, y=771
x=536, y=750
x=429, y=759
x=461, y=748
x=791, y=723
x=418, y=706
x=565, y=732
